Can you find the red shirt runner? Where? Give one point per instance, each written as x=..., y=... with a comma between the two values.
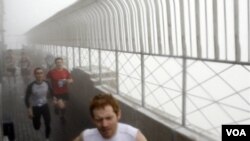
x=58, y=80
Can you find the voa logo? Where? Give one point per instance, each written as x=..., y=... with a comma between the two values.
x=236, y=132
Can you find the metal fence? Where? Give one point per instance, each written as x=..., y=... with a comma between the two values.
x=186, y=60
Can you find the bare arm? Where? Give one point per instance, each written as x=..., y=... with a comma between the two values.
x=140, y=136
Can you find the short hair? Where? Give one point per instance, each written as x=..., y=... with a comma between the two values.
x=36, y=69
x=58, y=58
x=102, y=100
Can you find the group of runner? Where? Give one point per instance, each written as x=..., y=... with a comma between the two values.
x=38, y=92
x=52, y=85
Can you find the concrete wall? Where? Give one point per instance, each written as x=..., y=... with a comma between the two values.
x=83, y=90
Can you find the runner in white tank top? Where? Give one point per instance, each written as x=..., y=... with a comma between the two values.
x=105, y=113
x=124, y=133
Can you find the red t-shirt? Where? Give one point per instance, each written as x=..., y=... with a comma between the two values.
x=58, y=80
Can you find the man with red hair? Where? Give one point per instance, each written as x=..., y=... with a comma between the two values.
x=106, y=113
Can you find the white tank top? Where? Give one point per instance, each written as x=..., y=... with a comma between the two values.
x=124, y=133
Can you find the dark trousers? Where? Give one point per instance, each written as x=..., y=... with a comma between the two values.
x=44, y=112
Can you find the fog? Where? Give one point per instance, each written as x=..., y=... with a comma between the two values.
x=21, y=15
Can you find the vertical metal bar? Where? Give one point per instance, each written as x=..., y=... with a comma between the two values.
x=80, y=57
x=140, y=25
x=184, y=51
x=225, y=27
x=142, y=80
x=115, y=27
x=103, y=27
x=149, y=26
x=206, y=24
x=90, y=60
x=236, y=28
x=216, y=44
x=159, y=28
x=170, y=39
x=61, y=49
x=54, y=52
x=184, y=63
x=57, y=52
x=184, y=95
x=117, y=71
x=99, y=28
x=190, y=29
x=100, y=65
x=143, y=44
x=136, y=11
x=50, y=49
x=175, y=29
x=133, y=31
x=67, y=56
x=198, y=28
x=74, y=57
x=126, y=7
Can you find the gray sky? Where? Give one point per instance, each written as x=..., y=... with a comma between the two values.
x=22, y=15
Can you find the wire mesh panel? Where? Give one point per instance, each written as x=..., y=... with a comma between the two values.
x=163, y=86
x=217, y=94
x=94, y=61
x=84, y=58
x=64, y=55
x=53, y=50
x=70, y=58
x=76, y=56
x=130, y=75
x=58, y=51
x=108, y=70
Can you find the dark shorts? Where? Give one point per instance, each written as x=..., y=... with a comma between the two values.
x=64, y=97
